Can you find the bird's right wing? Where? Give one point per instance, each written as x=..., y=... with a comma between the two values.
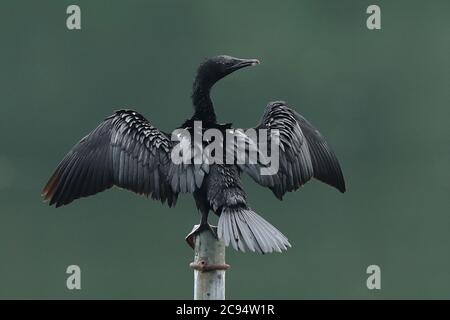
x=127, y=151
x=325, y=163
x=303, y=152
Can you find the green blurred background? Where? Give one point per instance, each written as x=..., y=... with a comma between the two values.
x=380, y=97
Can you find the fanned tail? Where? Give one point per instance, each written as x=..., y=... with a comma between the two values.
x=246, y=230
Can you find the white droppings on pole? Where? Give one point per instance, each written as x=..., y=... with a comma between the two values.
x=209, y=267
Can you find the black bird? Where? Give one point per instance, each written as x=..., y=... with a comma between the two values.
x=127, y=151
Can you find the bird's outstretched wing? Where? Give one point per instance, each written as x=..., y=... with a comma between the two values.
x=303, y=153
x=325, y=163
x=124, y=150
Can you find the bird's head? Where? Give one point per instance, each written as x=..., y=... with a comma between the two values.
x=215, y=68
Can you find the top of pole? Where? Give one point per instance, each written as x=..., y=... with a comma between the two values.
x=209, y=267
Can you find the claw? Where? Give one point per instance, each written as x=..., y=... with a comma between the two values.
x=196, y=230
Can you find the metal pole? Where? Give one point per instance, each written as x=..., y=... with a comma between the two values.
x=209, y=267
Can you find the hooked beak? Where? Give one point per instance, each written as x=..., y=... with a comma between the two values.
x=242, y=63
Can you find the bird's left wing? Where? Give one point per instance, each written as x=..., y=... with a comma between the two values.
x=124, y=150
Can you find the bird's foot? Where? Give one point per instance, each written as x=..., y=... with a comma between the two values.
x=199, y=228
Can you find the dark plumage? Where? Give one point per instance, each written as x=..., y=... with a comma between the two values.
x=127, y=151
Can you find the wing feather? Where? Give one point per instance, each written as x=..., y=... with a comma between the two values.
x=124, y=150
x=303, y=153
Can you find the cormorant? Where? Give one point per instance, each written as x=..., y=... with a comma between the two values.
x=127, y=151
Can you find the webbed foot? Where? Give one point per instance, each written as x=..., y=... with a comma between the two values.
x=199, y=228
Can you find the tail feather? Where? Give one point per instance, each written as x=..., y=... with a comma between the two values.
x=245, y=229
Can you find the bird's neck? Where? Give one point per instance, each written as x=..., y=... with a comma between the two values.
x=204, y=109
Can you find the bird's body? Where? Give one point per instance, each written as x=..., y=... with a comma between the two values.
x=127, y=151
